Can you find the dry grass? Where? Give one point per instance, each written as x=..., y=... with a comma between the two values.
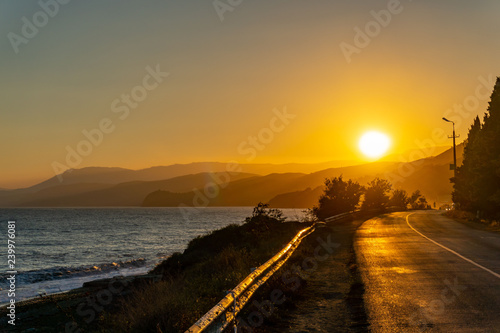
x=194, y=281
x=471, y=220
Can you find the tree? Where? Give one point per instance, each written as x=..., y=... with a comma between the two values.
x=418, y=201
x=376, y=194
x=413, y=201
x=399, y=199
x=477, y=185
x=466, y=183
x=422, y=203
x=339, y=196
x=263, y=217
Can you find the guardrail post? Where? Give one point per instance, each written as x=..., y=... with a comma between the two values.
x=234, y=310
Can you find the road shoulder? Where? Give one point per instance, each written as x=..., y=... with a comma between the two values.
x=331, y=295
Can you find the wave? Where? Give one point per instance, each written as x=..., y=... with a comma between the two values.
x=29, y=277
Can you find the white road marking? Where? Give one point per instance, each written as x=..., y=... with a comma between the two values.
x=450, y=250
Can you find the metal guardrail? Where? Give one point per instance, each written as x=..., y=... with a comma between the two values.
x=338, y=217
x=225, y=312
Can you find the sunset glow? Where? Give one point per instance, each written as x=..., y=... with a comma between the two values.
x=374, y=144
x=79, y=95
x=153, y=147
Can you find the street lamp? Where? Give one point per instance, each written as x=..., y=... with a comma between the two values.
x=454, y=165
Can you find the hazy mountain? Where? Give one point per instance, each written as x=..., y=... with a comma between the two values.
x=102, y=177
x=293, y=190
x=96, y=175
x=123, y=194
x=430, y=175
x=105, y=175
x=124, y=187
x=446, y=157
x=415, y=154
x=298, y=199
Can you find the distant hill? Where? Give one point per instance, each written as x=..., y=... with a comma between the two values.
x=430, y=175
x=123, y=194
x=183, y=186
x=96, y=175
x=294, y=190
x=79, y=181
x=446, y=157
x=415, y=154
x=298, y=199
x=105, y=175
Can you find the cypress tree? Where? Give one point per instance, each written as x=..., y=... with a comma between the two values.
x=466, y=192
x=477, y=185
x=489, y=147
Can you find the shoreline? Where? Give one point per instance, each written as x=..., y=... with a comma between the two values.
x=38, y=312
x=83, y=308
x=80, y=283
x=79, y=308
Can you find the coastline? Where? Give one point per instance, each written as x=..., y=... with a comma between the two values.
x=60, y=249
x=41, y=313
x=80, y=308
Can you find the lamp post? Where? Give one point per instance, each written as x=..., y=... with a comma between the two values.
x=454, y=165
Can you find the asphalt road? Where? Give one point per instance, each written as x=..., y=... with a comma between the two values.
x=424, y=272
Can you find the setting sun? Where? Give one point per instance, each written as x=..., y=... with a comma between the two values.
x=374, y=144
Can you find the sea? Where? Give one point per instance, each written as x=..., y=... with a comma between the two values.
x=58, y=249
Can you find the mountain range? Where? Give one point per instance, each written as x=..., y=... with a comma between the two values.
x=211, y=184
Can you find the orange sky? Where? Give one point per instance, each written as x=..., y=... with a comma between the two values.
x=226, y=77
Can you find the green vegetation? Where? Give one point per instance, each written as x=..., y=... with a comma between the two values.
x=418, y=201
x=376, y=195
x=339, y=197
x=477, y=183
x=342, y=196
x=399, y=199
x=194, y=281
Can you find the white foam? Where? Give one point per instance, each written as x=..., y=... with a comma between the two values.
x=49, y=287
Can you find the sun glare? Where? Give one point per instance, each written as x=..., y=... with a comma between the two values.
x=374, y=144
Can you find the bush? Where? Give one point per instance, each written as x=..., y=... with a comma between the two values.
x=197, y=279
x=376, y=195
x=339, y=197
x=264, y=217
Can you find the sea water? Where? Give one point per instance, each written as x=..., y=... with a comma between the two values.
x=58, y=249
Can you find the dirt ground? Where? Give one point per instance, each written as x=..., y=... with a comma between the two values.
x=331, y=295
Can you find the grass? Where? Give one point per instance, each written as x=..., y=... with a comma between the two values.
x=471, y=220
x=334, y=281
x=194, y=281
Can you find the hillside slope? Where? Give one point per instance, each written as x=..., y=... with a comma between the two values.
x=293, y=190
x=97, y=186
x=123, y=194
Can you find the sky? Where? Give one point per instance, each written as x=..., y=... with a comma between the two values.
x=137, y=84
